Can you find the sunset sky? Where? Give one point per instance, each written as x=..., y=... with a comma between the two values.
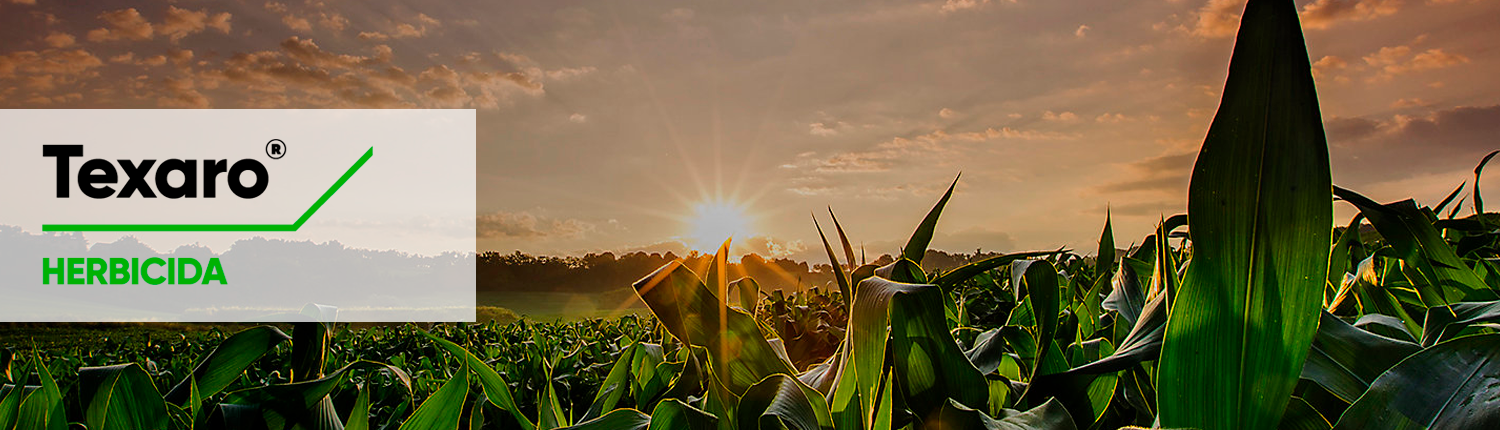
x=607, y=125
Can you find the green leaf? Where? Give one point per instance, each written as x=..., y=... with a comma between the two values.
x=1444, y=277
x=1036, y=280
x=495, y=387
x=549, y=407
x=958, y=275
x=1385, y=325
x=10, y=401
x=359, y=417
x=1443, y=324
x=673, y=414
x=1345, y=359
x=1142, y=344
x=844, y=239
x=1104, y=260
x=121, y=397
x=445, y=407
x=1259, y=214
x=1164, y=269
x=618, y=419
x=1345, y=246
x=687, y=309
x=43, y=408
x=1049, y=416
x=1448, y=386
x=615, y=384
x=917, y=245
x=838, y=271
x=1301, y=415
x=1478, y=199
x=303, y=403
x=906, y=321
x=749, y=294
x=1126, y=297
x=1449, y=199
x=781, y=401
x=227, y=361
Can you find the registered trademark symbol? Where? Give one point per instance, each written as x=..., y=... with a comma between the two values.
x=275, y=149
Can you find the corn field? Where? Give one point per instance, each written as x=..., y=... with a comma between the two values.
x=1253, y=310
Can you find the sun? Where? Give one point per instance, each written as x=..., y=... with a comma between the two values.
x=713, y=222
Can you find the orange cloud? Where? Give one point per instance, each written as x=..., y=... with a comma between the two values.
x=122, y=24
x=59, y=40
x=180, y=22
x=1324, y=13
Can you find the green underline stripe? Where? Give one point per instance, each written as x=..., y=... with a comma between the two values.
x=222, y=227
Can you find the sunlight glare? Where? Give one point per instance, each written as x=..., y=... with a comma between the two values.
x=712, y=222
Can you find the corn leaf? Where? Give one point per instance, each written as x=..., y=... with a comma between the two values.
x=1444, y=278
x=693, y=315
x=444, y=408
x=916, y=247
x=1344, y=359
x=495, y=388
x=227, y=361
x=1448, y=386
x=1049, y=416
x=43, y=408
x=121, y=397
x=781, y=401
x=673, y=414
x=1259, y=213
x=1443, y=324
x=618, y=419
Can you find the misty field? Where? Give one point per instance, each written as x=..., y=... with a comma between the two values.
x=1254, y=310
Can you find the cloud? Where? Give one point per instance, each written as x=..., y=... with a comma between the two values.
x=129, y=24
x=297, y=23
x=59, y=40
x=1404, y=146
x=1065, y=116
x=404, y=30
x=1392, y=61
x=525, y=225
x=180, y=22
x=308, y=52
x=578, y=118
x=771, y=247
x=1164, y=173
x=1387, y=55
x=302, y=73
x=1342, y=130
x=332, y=21
x=181, y=93
x=1322, y=14
x=947, y=113
x=937, y=146
x=1082, y=31
x=1217, y=18
x=826, y=130
x=1464, y=126
x=51, y=61
x=1411, y=102
x=958, y=5
x=1328, y=64
x=1221, y=18
x=1112, y=118
x=122, y=24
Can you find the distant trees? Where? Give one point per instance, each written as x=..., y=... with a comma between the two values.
x=599, y=272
